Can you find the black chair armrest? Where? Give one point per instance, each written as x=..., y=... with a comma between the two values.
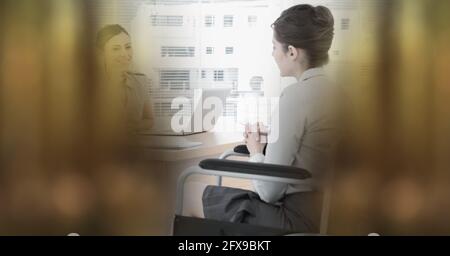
x=242, y=149
x=271, y=170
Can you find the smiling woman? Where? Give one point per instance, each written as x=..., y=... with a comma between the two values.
x=115, y=54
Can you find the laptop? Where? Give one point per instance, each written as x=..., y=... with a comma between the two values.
x=204, y=107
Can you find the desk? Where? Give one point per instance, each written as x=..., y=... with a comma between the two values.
x=213, y=144
x=172, y=162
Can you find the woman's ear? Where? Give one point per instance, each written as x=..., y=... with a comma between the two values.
x=292, y=52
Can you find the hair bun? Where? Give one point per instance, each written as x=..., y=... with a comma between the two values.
x=323, y=17
x=309, y=28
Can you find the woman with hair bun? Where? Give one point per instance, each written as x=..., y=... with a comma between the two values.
x=306, y=137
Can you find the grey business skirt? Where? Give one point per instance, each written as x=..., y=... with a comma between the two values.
x=298, y=212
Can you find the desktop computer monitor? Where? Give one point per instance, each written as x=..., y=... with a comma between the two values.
x=207, y=105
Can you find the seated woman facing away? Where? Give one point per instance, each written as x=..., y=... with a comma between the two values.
x=306, y=137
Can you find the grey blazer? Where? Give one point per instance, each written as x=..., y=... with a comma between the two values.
x=137, y=95
x=305, y=135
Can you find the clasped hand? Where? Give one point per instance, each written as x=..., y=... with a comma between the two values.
x=255, y=138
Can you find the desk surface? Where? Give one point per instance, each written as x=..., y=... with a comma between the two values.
x=212, y=144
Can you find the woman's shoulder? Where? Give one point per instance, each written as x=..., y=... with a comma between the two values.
x=290, y=89
x=317, y=86
x=139, y=79
x=310, y=92
x=292, y=96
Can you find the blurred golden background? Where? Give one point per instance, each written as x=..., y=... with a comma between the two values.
x=394, y=171
x=65, y=165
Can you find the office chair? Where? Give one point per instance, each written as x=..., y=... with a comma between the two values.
x=191, y=226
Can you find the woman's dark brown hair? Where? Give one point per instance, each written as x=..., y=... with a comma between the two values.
x=309, y=28
x=108, y=32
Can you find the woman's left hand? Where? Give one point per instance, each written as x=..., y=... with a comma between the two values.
x=254, y=140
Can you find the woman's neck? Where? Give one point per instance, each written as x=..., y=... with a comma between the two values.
x=299, y=73
x=303, y=66
x=118, y=77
